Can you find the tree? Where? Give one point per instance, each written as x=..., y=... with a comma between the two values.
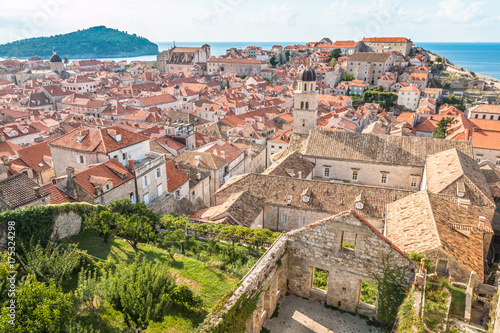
x=52, y=263
x=347, y=77
x=39, y=308
x=142, y=292
x=439, y=60
x=287, y=55
x=392, y=286
x=103, y=223
x=335, y=54
x=273, y=61
x=135, y=229
x=66, y=60
x=90, y=291
x=441, y=130
x=333, y=62
x=175, y=238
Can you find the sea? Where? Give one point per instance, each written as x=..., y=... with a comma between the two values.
x=482, y=58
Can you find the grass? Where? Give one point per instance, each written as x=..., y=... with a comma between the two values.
x=457, y=301
x=211, y=282
x=435, y=305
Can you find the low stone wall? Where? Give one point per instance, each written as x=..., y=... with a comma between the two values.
x=268, y=275
x=66, y=225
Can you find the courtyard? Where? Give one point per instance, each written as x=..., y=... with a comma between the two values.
x=299, y=315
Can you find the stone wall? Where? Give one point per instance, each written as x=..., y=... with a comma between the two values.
x=66, y=225
x=320, y=246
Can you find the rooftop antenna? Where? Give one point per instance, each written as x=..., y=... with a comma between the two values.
x=174, y=43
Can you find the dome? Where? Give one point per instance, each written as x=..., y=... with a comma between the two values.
x=55, y=58
x=307, y=74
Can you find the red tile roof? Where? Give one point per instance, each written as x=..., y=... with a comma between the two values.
x=98, y=140
x=175, y=176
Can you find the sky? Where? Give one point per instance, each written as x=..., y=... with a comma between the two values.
x=258, y=20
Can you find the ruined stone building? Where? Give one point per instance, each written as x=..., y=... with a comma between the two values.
x=288, y=267
x=183, y=59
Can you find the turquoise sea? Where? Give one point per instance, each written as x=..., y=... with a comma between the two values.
x=483, y=58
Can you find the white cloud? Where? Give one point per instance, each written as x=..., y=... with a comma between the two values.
x=459, y=11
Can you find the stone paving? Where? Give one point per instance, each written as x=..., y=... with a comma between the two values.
x=298, y=315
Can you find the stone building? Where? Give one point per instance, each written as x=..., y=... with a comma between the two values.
x=102, y=183
x=81, y=148
x=409, y=97
x=217, y=166
x=151, y=176
x=288, y=267
x=36, y=160
x=370, y=67
x=238, y=66
x=388, y=44
x=368, y=159
x=182, y=59
x=19, y=191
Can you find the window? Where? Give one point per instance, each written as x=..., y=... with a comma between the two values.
x=159, y=190
x=348, y=241
x=272, y=146
x=158, y=173
x=491, y=117
x=384, y=179
x=266, y=216
x=478, y=158
x=81, y=159
x=115, y=157
x=284, y=218
x=484, y=116
x=368, y=293
x=414, y=181
x=177, y=195
x=302, y=221
x=145, y=180
x=498, y=161
x=320, y=279
x=355, y=174
x=327, y=172
x=146, y=198
x=124, y=156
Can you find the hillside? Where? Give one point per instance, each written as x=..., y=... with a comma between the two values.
x=95, y=42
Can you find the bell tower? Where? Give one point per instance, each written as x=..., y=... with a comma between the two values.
x=305, y=109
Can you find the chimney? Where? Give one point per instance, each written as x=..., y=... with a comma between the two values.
x=467, y=135
x=5, y=160
x=70, y=183
x=37, y=191
x=463, y=202
x=131, y=164
x=215, y=152
x=300, y=175
x=223, y=154
x=2, y=137
x=197, y=160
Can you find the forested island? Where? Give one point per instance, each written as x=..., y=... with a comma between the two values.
x=95, y=42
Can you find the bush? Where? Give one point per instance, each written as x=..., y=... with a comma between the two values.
x=39, y=308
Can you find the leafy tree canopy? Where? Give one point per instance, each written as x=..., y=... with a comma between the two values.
x=94, y=42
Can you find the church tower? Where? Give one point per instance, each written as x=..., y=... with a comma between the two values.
x=305, y=110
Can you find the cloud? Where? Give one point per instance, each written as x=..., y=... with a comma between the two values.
x=459, y=11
